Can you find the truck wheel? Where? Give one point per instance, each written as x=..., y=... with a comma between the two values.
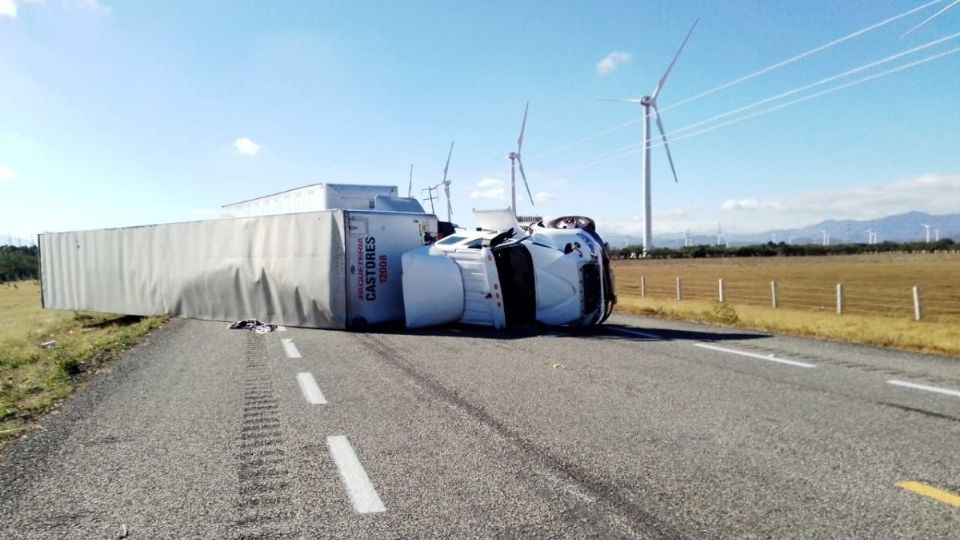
x=572, y=222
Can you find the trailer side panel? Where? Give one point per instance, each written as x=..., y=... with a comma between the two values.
x=285, y=269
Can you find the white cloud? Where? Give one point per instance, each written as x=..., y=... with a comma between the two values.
x=931, y=193
x=246, y=147
x=749, y=204
x=7, y=174
x=490, y=188
x=543, y=197
x=555, y=183
x=89, y=6
x=8, y=8
x=612, y=61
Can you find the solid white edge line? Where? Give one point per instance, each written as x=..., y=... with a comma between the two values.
x=311, y=392
x=635, y=333
x=769, y=358
x=361, y=491
x=946, y=391
x=290, y=348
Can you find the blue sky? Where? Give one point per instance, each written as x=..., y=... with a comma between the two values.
x=125, y=113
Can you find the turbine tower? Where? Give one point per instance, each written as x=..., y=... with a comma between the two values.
x=650, y=104
x=927, y=227
x=514, y=161
x=826, y=237
x=446, y=184
x=410, y=184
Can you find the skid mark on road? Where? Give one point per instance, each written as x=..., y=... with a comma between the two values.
x=628, y=516
x=263, y=507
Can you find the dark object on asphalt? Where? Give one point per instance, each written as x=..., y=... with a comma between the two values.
x=254, y=326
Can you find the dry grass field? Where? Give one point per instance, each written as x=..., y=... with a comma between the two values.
x=34, y=378
x=878, y=303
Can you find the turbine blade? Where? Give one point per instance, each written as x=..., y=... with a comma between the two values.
x=525, y=184
x=447, y=166
x=629, y=100
x=656, y=91
x=410, y=185
x=523, y=127
x=663, y=135
x=932, y=17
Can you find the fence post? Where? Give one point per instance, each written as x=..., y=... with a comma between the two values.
x=773, y=294
x=917, y=307
x=839, y=298
x=723, y=297
x=643, y=285
x=679, y=289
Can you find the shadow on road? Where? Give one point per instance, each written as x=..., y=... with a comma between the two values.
x=615, y=332
x=620, y=332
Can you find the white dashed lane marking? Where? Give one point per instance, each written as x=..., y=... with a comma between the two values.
x=290, y=348
x=311, y=392
x=361, y=491
x=769, y=358
x=947, y=391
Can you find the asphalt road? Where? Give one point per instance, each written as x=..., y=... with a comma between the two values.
x=642, y=429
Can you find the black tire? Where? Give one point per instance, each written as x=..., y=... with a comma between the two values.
x=572, y=222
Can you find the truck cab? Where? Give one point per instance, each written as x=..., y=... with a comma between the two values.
x=503, y=275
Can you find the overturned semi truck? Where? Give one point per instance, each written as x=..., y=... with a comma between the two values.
x=340, y=268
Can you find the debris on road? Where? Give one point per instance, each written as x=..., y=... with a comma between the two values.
x=49, y=344
x=254, y=326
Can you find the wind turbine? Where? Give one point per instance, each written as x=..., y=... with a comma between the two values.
x=650, y=103
x=446, y=184
x=869, y=236
x=927, y=227
x=515, y=160
x=826, y=237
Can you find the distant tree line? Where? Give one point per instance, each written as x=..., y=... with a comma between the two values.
x=783, y=249
x=19, y=262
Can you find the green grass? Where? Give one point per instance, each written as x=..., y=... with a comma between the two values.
x=34, y=379
x=877, y=287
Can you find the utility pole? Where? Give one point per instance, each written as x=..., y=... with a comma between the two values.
x=431, y=197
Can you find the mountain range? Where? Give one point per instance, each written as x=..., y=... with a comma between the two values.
x=907, y=227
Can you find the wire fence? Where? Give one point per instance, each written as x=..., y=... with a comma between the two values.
x=931, y=302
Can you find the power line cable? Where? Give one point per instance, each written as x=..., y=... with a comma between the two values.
x=821, y=82
x=801, y=56
x=745, y=78
x=638, y=147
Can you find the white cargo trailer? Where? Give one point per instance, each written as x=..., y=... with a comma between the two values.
x=326, y=269
x=323, y=197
